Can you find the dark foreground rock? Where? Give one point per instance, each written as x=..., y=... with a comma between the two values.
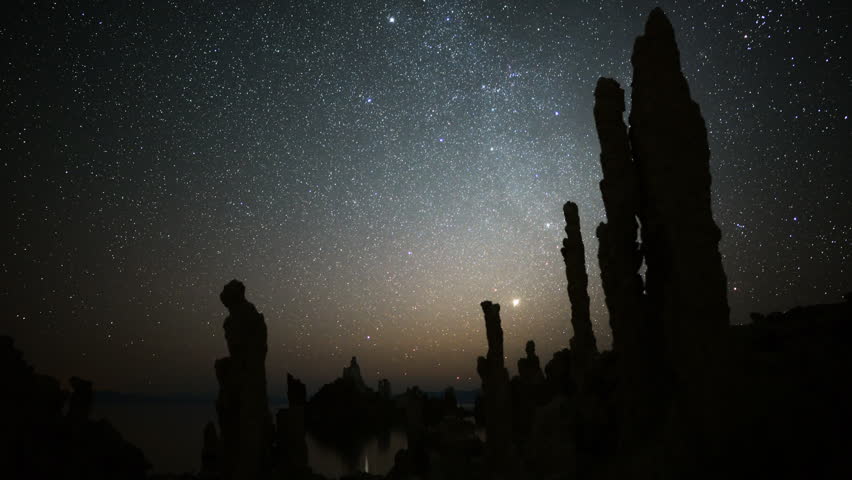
x=38, y=439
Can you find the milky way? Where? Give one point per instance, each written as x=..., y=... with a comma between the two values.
x=374, y=170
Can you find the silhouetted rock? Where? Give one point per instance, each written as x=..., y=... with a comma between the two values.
x=352, y=374
x=558, y=373
x=501, y=458
x=296, y=392
x=685, y=281
x=583, y=346
x=450, y=400
x=456, y=452
x=244, y=417
x=529, y=368
x=291, y=426
x=619, y=255
x=785, y=396
x=385, y=389
x=38, y=441
x=346, y=413
x=415, y=430
x=551, y=449
x=80, y=404
x=211, y=453
x=528, y=393
x=583, y=343
x=638, y=336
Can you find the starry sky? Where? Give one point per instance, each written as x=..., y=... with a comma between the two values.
x=374, y=170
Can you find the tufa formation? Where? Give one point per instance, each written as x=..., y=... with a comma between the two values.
x=242, y=404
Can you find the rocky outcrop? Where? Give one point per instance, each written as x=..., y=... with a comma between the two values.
x=528, y=393
x=352, y=374
x=297, y=394
x=80, y=404
x=685, y=281
x=583, y=346
x=496, y=396
x=385, y=389
x=637, y=334
x=667, y=330
x=558, y=373
x=529, y=368
x=685, y=284
x=619, y=255
x=242, y=404
x=415, y=430
x=291, y=427
x=38, y=440
x=211, y=453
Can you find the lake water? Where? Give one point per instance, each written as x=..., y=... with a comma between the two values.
x=170, y=435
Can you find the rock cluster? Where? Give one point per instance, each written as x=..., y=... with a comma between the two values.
x=45, y=432
x=668, y=328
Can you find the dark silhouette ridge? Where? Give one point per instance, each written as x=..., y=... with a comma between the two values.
x=38, y=440
x=80, y=404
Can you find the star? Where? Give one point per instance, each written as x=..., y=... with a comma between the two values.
x=275, y=164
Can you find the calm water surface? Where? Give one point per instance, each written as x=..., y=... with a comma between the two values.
x=170, y=435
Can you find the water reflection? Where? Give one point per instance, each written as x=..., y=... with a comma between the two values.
x=374, y=455
x=170, y=435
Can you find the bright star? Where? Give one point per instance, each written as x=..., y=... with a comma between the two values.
x=516, y=302
x=392, y=20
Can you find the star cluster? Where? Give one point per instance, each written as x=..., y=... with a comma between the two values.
x=373, y=170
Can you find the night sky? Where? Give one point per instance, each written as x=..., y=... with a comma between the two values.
x=374, y=170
